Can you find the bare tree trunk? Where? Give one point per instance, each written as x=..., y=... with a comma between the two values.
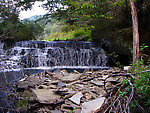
x=135, y=32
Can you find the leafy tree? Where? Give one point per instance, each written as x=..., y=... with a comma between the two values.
x=10, y=25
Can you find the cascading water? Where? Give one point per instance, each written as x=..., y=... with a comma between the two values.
x=44, y=55
x=50, y=54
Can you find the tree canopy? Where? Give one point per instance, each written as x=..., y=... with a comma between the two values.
x=11, y=27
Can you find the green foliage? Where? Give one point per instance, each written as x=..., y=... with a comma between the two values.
x=122, y=94
x=73, y=111
x=82, y=12
x=10, y=25
x=141, y=81
x=142, y=47
x=119, y=3
x=22, y=103
x=125, y=81
x=65, y=32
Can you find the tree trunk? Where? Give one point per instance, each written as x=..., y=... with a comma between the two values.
x=135, y=32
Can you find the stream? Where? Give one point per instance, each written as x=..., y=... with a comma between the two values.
x=32, y=57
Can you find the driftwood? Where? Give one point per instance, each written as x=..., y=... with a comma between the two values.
x=118, y=100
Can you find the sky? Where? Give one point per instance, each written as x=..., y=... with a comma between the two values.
x=36, y=10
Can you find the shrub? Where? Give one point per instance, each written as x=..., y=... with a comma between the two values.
x=141, y=82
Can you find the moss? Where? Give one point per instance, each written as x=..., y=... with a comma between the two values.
x=24, y=101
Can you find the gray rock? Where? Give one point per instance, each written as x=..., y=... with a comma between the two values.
x=57, y=74
x=46, y=96
x=61, y=84
x=92, y=106
x=98, y=83
x=30, y=81
x=22, y=84
x=76, y=98
x=70, y=77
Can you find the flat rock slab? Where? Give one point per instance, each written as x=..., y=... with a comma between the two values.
x=46, y=96
x=76, y=98
x=98, y=83
x=70, y=77
x=92, y=106
x=30, y=81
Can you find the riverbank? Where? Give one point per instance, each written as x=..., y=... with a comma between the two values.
x=61, y=91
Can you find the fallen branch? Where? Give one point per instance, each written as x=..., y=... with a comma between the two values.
x=118, y=103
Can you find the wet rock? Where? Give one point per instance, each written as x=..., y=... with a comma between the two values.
x=76, y=98
x=46, y=96
x=70, y=77
x=92, y=106
x=98, y=83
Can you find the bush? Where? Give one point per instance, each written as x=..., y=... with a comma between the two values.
x=141, y=83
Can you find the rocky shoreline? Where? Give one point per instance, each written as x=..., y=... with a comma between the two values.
x=63, y=92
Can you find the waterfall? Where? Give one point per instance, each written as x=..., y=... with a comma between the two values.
x=49, y=54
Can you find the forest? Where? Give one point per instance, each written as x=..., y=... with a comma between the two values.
x=119, y=27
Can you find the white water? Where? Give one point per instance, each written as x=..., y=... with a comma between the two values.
x=48, y=55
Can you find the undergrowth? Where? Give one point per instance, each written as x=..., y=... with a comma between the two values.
x=141, y=82
x=69, y=32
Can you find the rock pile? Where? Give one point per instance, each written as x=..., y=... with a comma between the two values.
x=63, y=92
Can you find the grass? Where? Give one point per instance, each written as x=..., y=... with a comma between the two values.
x=79, y=34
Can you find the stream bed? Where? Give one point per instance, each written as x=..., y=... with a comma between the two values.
x=20, y=59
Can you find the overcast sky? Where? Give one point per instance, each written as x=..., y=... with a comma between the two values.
x=36, y=10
